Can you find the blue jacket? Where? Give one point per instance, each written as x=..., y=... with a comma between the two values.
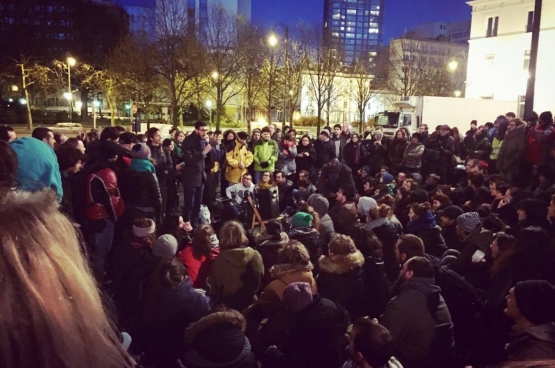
x=37, y=166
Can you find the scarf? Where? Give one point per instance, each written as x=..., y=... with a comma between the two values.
x=142, y=165
x=266, y=185
x=287, y=145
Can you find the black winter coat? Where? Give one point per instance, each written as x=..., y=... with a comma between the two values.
x=164, y=164
x=349, y=154
x=345, y=176
x=387, y=234
x=305, y=162
x=140, y=189
x=377, y=155
x=193, y=172
x=325, y=151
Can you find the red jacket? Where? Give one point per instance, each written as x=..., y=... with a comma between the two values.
x=103, y=196
x=198, y=269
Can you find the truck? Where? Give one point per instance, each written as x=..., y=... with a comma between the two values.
x=433, y=111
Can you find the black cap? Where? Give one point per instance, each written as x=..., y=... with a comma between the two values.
x=452, y=212
x=536, y=301
x=348, y=190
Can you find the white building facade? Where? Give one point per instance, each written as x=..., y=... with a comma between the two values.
x=499, y=53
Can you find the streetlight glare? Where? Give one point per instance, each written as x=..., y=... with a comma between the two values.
x=96, y=103
x=71, y=61
x=458, y=93
x=215, y=75
x=453, y=65
x=78, y=105
x=67, y=96
x=272, y=40
x=209, y=104
x=22, y=101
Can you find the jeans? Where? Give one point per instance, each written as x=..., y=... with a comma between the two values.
x=257, y=177
x=102, y=245
x=192, y=198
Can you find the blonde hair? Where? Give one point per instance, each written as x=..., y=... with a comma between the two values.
x=379, y=212
x=52, y=314
x=233, y=235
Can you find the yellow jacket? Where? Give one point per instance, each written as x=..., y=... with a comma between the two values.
x=239, y=154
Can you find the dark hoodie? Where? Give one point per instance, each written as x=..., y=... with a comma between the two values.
x=426, y=228
x=421, y=325
x=235, y=277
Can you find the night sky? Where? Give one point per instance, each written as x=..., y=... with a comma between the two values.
x=399, y=14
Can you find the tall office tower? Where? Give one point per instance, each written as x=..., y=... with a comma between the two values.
x=355, y=27
x=198, y=10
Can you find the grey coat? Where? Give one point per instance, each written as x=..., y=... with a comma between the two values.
x=511, y=153
x=286, y=162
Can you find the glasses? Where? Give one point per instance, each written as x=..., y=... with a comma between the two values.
x=268, y=175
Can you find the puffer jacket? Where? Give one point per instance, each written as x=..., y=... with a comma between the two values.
x=265, y=151
x=412, y=158
x=239, y=154
x=511, y=153
x=140, y=189
x=286, y=159
x=235, y=277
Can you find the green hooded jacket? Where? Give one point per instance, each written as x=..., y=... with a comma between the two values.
x=265, y=151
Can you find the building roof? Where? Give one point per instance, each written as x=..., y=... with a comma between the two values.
x=137, y=3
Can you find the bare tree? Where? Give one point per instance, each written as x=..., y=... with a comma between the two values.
x=361, y=90
x=108, y=83
x=270, y=79
x=221, y=37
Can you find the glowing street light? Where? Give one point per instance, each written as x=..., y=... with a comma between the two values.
x=67, y=96
x=71, y=61
x=215, y=74
x=272, y=40
x=453, y=65
x=458, y=93
x=78, y=105
x=96, y=103
x=22, y=101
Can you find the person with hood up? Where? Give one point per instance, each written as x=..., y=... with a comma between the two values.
x=265, y=153
x=340, y=274
x=475, y=258
x=199, y=255
x=238, y=159
x=139, y=186
x=344, y=213
x=355, y=153
x=497, y=141
x=326, y=228
x=531, y=304
x=304, y=229
x=286, y=157
x=419, y=320
x=423, y=224
x=511, y=155
x=269, y=244
x=172, y=304
x=236, y=275
x=222, y=328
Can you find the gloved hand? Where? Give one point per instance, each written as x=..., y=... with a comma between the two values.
x=264, y=164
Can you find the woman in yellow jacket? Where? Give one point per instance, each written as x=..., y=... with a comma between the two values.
x=238, y=159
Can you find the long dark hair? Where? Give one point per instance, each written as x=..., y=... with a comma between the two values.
x=365, y=241
x=309, y=146
x=201, y=241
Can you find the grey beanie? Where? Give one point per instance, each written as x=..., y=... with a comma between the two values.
x=468, y=222
x=165, y=247
x=320, y=204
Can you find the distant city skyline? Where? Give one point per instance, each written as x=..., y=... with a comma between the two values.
x=400, y=15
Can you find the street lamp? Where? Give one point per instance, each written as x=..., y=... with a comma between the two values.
x=96, y=105
x=209, y=106
x=458, y=93
x=67, y=96
x=273, y=40
x=215, y=74
x=22, y=101
x=70, y=62
x=453, y=65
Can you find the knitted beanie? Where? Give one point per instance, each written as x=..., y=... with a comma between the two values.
x=302, y=219
x=140, y=150
x=297, y=296
x=325, y=132
x=366, y=169
x=387, y=178
x=265, y=130
x=468, y=222
x=536, y=301
x=165, y=247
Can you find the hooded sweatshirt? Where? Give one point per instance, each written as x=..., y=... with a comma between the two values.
x=235, y=277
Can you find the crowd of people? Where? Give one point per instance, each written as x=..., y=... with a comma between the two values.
x=431, y=249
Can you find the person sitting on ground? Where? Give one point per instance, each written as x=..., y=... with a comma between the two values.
x=304, y=228
x=240, y=191
x=236, y=275
x=448, y=222
x=344, y=213
x=423, y=224
x=334, y=176
x=267, y=181
x=306, y=188
x=269, y=244
x=531, y=304
x=419, y=320
x=385, y=231
x=285, y=188
x=199, y=255
x=371, y=345
x=326, y=228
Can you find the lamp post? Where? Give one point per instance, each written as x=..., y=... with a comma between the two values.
x=70, y=62
x=96, y=104
x=209, y=106
x=531, y=86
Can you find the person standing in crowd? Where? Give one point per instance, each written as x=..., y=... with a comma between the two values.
x=162, y=162
x=238, y=159
x=213, y=171
x=355, y=153
x=497, y=142
x=7, y=134
x=367, y=134
x=339, y=141
x=255, y=136
x=447, y=145
x=344, y=213
x=412, y=157
x=511, y=155
x=306, y=155
x=229, y=138
x=45, y=135
x=325, y=152
x=236, y=275
x=286, y=157
x=265, y=154
x=48, y=285
x=377, y=152
x=70, y=161
x=333, y=176
x=104, y=203
x=419, y=320
x=139, y=187
x=397, y=150
x=544, y=132
x=196, y=151
x=177, y=157
x=172, y=204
